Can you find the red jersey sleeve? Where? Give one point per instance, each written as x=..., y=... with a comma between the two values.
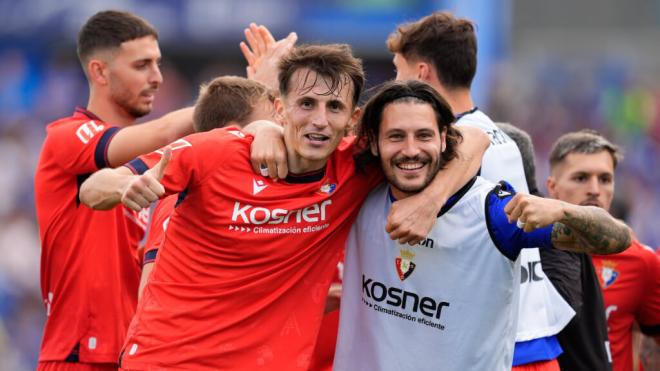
x=81, y=145
x=649, y=313
x=193, y=158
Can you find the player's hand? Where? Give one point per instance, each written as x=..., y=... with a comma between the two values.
x=263, y=54
x=531, y=212
x=268, y=152
x=410, y=220
x=333, y=299
x=146, y=188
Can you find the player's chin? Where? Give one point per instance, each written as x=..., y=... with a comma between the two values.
x=140, y=110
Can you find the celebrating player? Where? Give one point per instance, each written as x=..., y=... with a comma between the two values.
x=225, y=101
x=441, y=50
x=582, y=173
x=242, y=276
x=89, y=270
x=450, y=301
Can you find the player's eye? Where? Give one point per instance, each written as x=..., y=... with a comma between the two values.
x=306, y=104
x=396, y=137
x=335, y=106
x=580, y=178
x=606, y=179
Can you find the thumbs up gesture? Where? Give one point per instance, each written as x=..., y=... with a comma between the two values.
x=146, y=188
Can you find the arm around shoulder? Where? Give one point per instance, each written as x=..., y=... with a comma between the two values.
x=139, y=139
x=103, y=189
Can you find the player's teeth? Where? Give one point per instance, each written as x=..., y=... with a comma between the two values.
x=410, y=166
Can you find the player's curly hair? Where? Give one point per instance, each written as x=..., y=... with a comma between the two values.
x=333, y=61
x=403, y=91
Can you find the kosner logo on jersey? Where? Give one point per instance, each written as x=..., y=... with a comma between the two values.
x=249, y=214
x=399, y=298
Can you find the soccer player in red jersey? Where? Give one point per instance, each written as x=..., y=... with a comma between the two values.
x=584, y=174
x=225, y=101
x=245, y=267
x=89, y=270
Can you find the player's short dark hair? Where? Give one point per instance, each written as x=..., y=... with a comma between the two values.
x=333, y=61
x=403, y=91
x=108, y=30
x=526, y=147
x=227, y=99
x=447, y=42
x=585, y=141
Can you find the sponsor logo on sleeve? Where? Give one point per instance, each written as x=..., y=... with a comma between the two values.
x=88, y=130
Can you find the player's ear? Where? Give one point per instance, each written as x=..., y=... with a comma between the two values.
x=424, y=71
x=443, y=140
x=279, y=109
x=97, y=71
x=374, y=148
x=551, y=184
x=355, y=116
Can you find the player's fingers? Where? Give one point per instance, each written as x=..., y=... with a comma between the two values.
x=247, y=53
x=282, y=165
x=515, y=213
x=260, y=44
x=272, y=168
x=140, y=199
x=266, y=35
x=414, y=241
x=148, y=195
x=156, y=188
x=131, y=205
x=396, y=233
x=162, y=164
x=252, y=42
x=508, y=208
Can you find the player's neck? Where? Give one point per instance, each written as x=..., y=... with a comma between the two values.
x=399, y=194
x=299, y=165
x=109, y=112
x=460, y=100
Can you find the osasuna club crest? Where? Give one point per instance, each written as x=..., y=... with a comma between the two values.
x=608, y=273
x=404, y=264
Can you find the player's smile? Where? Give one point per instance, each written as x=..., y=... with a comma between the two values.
x=316, y=115
x=409, y=146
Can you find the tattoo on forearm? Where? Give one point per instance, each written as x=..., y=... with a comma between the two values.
x=593, y=231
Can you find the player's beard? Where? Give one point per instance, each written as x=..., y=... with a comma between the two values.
x=433, y=167
x=131, y=104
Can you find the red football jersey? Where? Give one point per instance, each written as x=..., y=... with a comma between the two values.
x=89, y=270
x=158, y=221
x=324, y=352
x=244, y=270
x=631, y=292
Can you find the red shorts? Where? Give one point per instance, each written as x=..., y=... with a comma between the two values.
x=75, y=366
x=551, y=365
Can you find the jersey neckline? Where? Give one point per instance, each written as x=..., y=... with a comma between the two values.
x=309, y=177
x=450, y=202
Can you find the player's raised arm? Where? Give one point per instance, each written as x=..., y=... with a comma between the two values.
x=263, y=54
x=136, y=140
x=411, y=219
x=575, y=228
x=108, y=187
